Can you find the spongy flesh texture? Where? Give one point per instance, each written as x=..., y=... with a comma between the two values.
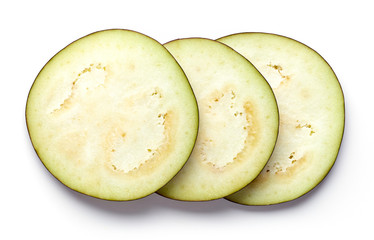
x=311, y=111
x=107, y=124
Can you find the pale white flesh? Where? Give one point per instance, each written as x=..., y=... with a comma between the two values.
x=311, y=111
x=238, y=121
x=112, y=115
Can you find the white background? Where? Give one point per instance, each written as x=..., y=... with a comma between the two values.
x=34, y=204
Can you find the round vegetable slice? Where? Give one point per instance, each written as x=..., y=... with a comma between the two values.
x=112, y=115
x=311, y=108
x=238, y=121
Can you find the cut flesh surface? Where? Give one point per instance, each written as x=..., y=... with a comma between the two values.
x=238, y=121
x=311, y=111
x=112, y=115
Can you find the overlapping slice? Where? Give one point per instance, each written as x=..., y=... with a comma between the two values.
x=311, y=108
x=238, y=121
x=112, y=115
